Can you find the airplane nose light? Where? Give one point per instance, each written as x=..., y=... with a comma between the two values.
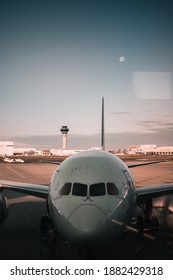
x=87, y=222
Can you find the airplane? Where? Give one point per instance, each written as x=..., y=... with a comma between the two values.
x=92, y=196
x=13, y=160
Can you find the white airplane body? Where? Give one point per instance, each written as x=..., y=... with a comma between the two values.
x=13, y=160
x=9, y=160
x=89, y=190
x=91, y=198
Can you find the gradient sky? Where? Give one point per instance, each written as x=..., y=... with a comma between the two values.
x=58, y=58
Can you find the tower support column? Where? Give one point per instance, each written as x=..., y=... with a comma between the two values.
x=64, y=131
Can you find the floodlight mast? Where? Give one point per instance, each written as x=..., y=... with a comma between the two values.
x=102, y=127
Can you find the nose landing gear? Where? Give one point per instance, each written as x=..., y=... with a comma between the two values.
x=48, y=237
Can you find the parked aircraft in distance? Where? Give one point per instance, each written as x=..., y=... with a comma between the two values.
x=92, y=196
x=13, y=160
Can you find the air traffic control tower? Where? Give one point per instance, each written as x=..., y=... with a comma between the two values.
x=64, y=131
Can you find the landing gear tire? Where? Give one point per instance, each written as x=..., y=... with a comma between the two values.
x=48, y=237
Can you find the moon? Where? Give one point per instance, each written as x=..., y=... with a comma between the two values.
x=122, y=58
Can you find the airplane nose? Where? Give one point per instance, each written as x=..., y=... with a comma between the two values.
x=87, y=224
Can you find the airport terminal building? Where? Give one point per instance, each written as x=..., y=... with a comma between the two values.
x=149, y=150
x=6, y=148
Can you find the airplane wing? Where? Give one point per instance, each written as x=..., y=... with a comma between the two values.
x=51, y=162
x=26, y=188
x=145, y=193
x=144, y=163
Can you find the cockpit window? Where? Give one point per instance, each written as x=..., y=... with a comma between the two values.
x=66, y=189
x=97, y=189
x=79, y=189
x=112, y=189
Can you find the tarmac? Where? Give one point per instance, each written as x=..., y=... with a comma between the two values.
x=20, y=236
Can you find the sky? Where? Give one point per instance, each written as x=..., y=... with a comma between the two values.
x=59, y=58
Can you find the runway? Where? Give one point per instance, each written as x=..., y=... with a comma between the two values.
x=20, y=234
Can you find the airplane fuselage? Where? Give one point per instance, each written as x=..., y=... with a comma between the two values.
x=88, y=191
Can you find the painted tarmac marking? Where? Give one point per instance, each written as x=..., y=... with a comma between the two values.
x=14, y=171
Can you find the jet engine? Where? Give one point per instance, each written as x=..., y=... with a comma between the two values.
x=4, y=207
